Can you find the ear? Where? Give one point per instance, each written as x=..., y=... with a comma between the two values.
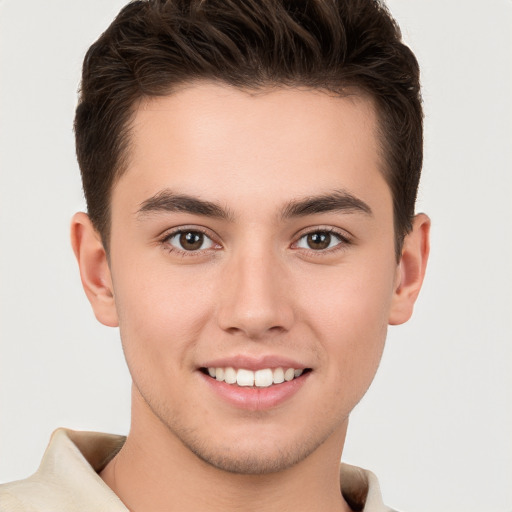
x=94, y=269
x=411, y=270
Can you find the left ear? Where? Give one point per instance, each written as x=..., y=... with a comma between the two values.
x=411, y=270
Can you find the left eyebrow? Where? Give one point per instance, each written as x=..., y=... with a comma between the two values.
x=337, y=201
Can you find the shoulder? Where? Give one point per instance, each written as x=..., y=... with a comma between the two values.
x=361, y=489
x=67, y=479
x=29, y=495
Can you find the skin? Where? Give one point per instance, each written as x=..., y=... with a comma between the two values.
x=257, y=289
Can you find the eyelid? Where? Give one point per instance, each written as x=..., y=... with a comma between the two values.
x=345, y=239
x=324, y=228
x=172, y=232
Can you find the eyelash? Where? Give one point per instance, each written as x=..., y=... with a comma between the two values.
x=343, y=241
x=165, y=241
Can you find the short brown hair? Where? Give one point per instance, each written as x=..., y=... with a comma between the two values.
x=333, y=45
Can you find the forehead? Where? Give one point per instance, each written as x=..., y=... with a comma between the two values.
x=229, y=144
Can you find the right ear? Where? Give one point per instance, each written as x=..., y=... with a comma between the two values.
x=94, y=269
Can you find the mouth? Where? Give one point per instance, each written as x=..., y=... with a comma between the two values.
x=262, y=378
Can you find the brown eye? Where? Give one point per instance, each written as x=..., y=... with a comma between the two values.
x=320, y=240
x=190, y=241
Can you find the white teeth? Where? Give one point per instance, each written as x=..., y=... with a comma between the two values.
x=245, y=378
x=263, y=378
x=289, y=374
x=278, y=376
x=260, y=378
x=230, y=375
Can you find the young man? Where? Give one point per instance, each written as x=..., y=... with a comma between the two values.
x=250, y=170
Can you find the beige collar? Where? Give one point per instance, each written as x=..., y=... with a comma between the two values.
x=67, y=479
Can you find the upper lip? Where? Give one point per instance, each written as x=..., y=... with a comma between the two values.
x=254, y=363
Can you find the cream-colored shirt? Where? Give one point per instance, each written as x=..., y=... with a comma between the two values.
x=67, y=479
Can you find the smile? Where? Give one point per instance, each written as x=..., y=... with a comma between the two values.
x=260, y=378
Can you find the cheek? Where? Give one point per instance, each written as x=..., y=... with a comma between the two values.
x=349, y=315
x=160, y=313
x=353, y=347
x=351, y=301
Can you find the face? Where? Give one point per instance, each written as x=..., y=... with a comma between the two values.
x=252, y=242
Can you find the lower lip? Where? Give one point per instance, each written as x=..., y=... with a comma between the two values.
x=254, y=398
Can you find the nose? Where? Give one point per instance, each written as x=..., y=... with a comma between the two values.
x=256, y=297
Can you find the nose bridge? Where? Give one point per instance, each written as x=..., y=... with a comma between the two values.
x=256, y=298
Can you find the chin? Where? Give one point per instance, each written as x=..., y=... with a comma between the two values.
x=254, y=453
x=253, y=462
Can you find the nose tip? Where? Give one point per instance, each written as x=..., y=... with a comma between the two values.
x=256, y=301
x=255, y=324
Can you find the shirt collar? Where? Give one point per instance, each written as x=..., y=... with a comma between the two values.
x=75, y=458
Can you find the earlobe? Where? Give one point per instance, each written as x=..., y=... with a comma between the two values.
x=411, y=270
x=94, y=269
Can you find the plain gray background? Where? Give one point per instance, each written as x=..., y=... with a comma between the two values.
x=436, y=425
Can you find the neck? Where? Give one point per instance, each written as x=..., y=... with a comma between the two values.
x=155, y=471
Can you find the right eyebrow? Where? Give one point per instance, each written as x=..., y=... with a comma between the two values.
x=167, y=201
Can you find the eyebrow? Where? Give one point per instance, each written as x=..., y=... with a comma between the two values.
x=337, y=201
x=167, y=201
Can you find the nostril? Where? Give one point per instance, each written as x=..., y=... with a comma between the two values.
x=256, y=332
